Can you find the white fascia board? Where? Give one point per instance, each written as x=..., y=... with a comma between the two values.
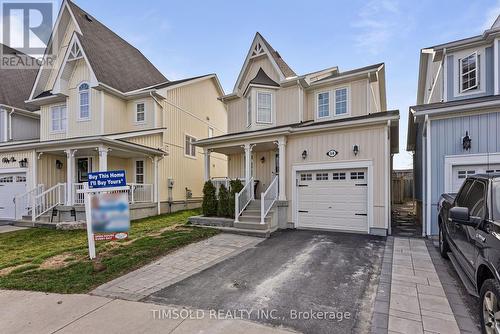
x=454, y=109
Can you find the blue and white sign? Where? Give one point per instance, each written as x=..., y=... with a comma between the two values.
x=109, y=179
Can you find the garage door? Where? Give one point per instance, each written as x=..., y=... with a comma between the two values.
x=10, y=186
x=333, y=200
x=460, y=173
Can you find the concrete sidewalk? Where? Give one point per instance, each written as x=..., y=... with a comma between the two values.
x=38, y=312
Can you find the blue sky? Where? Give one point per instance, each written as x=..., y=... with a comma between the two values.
x=187, y=38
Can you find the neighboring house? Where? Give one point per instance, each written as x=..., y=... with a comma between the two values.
x=318, y=145
x=453, y=129
x=104, y=106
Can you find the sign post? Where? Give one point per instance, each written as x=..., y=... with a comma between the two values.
x=106, y=207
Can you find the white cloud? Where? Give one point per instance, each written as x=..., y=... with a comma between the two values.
x=491, y=16
x=377, y=22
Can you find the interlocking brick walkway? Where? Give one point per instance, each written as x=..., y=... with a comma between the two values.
x=418, y=302
x=176, y=266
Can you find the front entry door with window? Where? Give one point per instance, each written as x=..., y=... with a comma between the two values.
x=83, y=168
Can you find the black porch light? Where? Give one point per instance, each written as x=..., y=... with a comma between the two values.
x=23, y=163
x=304, y=154
x=59, y=164
x=355, y=149
x=466, y=141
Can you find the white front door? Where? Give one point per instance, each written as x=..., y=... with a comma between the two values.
x=11, y=184
x=333, y=200
x=460, y=173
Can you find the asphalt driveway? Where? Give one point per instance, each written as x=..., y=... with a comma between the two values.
x=313, y=282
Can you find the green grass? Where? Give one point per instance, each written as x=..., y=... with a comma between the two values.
x=25, y=251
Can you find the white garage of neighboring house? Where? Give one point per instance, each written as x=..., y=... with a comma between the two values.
x=458, y=168
x=11, y=184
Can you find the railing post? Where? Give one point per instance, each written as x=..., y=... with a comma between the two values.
x=236, y=207
x=132, y=190
x=262, y=207
x=33, y=207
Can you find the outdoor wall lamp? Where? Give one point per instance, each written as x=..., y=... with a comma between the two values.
x=304, y=154
x=263, y=159
x=466, y=141
x=59, y=164
x=23, y=163
x=355, y=149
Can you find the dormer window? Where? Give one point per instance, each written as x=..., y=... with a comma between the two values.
x=264, y=107
x=83, y=94
x=469, y=79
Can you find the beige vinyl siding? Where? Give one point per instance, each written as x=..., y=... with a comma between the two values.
x=237, y=115
x=236, y=166
x=288, y=105
x=48, y=174
x=120, y=115
x=262, y=171
x=45, y=123
x=371, y=142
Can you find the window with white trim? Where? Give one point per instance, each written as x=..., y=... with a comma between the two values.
x=140, y=112
x=84, y=98
x=190, y=149
x=463, y=174
x=264, y=107
x=249, y=110
x=338, y=176
x=469, y=79
x=210, y=132
x=306, y=177
x=321, y=176
x=323, y=104
x=341, y=101
x=58, y=118
x=139, y=171
x=357, y=175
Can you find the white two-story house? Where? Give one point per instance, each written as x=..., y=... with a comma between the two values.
x=314, y=149
x=105, y=106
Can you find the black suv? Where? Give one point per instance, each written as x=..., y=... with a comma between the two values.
x=469, y=235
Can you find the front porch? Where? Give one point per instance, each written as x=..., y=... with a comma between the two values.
x=61, y=171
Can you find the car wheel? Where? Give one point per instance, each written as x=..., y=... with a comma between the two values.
x=490, y=309
x=444, y=248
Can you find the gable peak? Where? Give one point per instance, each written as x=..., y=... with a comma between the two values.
x=496, y=24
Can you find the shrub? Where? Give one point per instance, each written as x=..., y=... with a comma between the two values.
x=223, y=202
x=236, y=186
x=209, y=205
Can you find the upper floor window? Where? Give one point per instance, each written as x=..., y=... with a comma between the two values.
x=83, y=92
x=468, y=72
x=249, y=110
x=341, y=101
x=210, y=132
x=190, y=149
x=264, y=107
x=140, y=112
x=323, y=104
x=58, y=118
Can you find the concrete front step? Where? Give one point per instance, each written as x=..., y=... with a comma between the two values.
x=241, y=231
x=253, y=219
x=251, y=225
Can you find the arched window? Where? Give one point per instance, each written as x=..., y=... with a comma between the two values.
x=83, y=91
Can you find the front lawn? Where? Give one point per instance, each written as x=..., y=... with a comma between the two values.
x=57, y=261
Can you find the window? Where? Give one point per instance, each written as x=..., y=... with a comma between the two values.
x=475, y=199
x=496, y=200
x=58, y=115
x=323, y=104
x=139, y=171
x=306, y=177
x=468, y=72
x=210, y=132
x=357, y=175
x=462, y=197
x=463, y=174
x=321, y=176
x=140, y=112
x=7, y=179
x=491, y=171
x=338, y=176
x=20, y=178
x=341, y=101
x=190, y=149
x=264, y=107
x=249, y=111
x=83, y=93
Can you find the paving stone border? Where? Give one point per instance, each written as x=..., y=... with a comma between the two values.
x=380, y=317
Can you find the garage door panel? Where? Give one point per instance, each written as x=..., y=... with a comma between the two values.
x=462, y=172
x=334, y=204
x=10, y=186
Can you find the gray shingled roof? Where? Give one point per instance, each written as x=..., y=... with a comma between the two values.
x=263, y=79
x=15, y=84
x=115, y=62
x=285, y=69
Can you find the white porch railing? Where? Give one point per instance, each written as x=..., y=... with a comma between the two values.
x=139, y=193
x=24, y=202
x=218, y=181
x=243, y=198
x=49, y=199
x=268, y=198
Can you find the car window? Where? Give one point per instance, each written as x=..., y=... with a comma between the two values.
x=462, y=194
x=476, y=199
x=496, y=200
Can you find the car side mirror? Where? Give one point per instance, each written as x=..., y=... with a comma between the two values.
x=460, y=215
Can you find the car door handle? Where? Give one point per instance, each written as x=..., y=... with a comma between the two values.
x=480, y=237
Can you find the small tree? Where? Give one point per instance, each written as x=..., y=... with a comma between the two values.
x=236, y=186
x=209, y=205
x=223, y=203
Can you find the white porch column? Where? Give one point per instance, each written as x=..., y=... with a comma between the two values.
x=156, y=193
x=282, y=169
x=248, y=165
x=207, y=164
x=103, y=159
x=70, y=175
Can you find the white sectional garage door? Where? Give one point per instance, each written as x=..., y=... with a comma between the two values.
x=333, y=200
x=10, y=186
x=460, y=173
